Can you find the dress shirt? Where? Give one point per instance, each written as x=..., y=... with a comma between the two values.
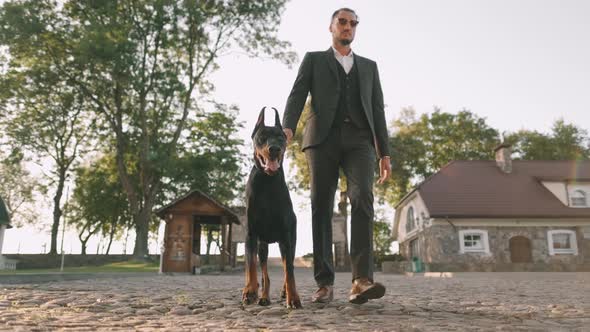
x=345, y=60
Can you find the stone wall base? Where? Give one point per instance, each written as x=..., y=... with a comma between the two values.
x=506, y=267
x=406, y=267
x=7, y=264
x=396, y=267
x=41, y=261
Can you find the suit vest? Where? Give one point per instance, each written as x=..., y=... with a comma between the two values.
x=350, y=108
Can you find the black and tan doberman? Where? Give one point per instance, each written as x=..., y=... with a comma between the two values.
x=270, y=214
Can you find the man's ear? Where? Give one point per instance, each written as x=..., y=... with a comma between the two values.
x=260, y=121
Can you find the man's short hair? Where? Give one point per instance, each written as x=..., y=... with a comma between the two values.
x=343, y=9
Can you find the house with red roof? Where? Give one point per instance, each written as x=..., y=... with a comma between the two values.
x=499, y=215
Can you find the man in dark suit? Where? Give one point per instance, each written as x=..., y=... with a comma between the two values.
x=346, y=129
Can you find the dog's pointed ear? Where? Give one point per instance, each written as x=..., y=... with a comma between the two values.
x=277, y=118
x=260, y=121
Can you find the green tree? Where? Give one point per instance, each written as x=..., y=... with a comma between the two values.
x=45, y=117
x=99, y=204
x=210, y=158
x=143, y=65
x=297, y=158
x=382, y=239
x=422, y=146
x=42, y=113
x=564, y=142
x=17, y=188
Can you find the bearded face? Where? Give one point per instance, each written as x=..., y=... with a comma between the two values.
x=343, y=28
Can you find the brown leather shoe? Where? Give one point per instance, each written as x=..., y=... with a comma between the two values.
x=324, y=294
x=364, y=290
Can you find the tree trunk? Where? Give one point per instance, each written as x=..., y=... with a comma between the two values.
x=98, y=246
x=142, y=227
x=84, y=239
x=111, y=235
x=83, y=246
x=57, y=211
x=126, y=239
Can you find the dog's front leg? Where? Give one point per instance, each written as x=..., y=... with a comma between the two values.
x=263, y=259
x=288, y=254
x=250, y=292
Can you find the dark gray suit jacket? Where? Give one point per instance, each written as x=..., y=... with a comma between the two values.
x=318, y=75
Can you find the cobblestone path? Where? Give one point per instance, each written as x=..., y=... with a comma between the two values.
x=469, y=301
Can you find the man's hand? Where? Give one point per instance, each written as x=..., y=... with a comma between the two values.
x=384, y=169
x=289, y=133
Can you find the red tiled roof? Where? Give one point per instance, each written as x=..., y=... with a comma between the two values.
x=479, y=189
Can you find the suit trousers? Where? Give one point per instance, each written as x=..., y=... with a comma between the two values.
x=350, y=149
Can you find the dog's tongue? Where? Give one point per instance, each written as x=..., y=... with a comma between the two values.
x=272, y=165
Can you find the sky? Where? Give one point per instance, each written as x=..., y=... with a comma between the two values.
x=518, y=64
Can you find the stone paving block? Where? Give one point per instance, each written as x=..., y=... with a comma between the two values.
x=487, y=302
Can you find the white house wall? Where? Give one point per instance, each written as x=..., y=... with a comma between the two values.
x=420, y=212
x=558, y=189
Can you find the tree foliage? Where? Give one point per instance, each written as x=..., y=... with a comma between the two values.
x=564, y=142
x=382, y=239
x=296, y=156
x=421, y=146
x=44, y=116
x=18, y=188
x=99, y=204
x=210, y=158
x=143, y=66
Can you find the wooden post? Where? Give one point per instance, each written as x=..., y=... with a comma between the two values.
x=229, y=247
x=163, y=248
x=223, y=241
x=166, y=251
x=197, y=239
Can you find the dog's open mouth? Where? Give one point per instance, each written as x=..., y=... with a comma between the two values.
x=269, y=166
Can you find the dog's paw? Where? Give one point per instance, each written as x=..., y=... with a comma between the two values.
x=249, y=297
x=264, y=301
x=294, y=303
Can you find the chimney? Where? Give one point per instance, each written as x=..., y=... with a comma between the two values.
x=503, y=159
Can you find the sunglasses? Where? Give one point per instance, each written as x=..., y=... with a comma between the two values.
x=343, y=22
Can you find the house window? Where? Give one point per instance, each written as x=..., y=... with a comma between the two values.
x=474, y=240
x=578, y=198
x=562, y=242
x=410, y=220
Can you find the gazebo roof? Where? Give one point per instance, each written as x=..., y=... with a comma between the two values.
x=4, y=218
x=206, y=203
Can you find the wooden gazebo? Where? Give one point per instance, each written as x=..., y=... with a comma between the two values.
x=184, y=219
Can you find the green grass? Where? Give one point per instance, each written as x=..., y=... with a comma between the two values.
x=130, y=266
